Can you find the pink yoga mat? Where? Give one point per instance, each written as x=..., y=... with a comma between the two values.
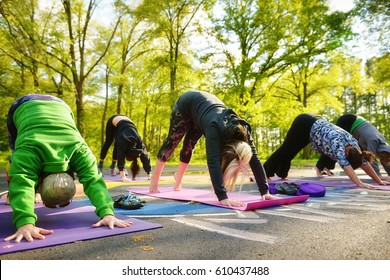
x=207, y=197
x=70, y=224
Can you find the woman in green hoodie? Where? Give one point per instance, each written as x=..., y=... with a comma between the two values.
x=44, y=139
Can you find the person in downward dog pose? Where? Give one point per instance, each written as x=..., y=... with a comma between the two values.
x=128, y=146
x=229, y=145
x=44, y=140
x=369, y=139
x=327, y=139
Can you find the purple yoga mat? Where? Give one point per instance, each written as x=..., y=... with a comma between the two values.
x=70, y=224
x=117, y=178
x=333, y=182
x=207, y=197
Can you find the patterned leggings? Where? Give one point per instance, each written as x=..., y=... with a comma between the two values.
x=179, y=126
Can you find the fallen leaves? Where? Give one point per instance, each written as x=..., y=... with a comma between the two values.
x=143, y=238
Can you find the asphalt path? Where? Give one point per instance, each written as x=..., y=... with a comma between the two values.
x=346, y=224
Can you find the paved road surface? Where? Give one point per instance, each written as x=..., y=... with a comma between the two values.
x=347, y=224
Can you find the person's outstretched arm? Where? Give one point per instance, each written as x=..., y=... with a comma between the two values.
x=371, y=172
x=354, y=178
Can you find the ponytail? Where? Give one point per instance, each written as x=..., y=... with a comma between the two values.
x=357, y=158
x=368, y=156
x=134, y=168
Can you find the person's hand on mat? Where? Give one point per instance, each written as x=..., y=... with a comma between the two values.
x=111, y=222
x=231, y=202
x=383, y=183
x=29, y=232
x=385, y=178
x=149, y=176
x=124, y=179
x=123, y=175
x=367, y=186
x=269, y=197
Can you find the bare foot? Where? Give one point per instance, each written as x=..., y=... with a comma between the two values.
x=328, y=172
x=38, y=198
x=318, y=172
x=6, y=199
x=177, y=186
x=153, y=187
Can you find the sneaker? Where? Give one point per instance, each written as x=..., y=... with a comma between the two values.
x=287, y=188
x=128, y=201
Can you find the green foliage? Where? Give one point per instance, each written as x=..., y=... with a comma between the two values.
x=268, y=60
x=375, y=17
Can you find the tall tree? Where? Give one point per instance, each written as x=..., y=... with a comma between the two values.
x=19, y=30
x=250, y=36
x=322, y=33
x=375, y=14
x=378, y=73
x=62, y=42
x=131, y=34
x=172, y=21
x=260, y=40
x=83, y=59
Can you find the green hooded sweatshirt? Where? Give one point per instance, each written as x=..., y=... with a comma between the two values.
x=48, y=141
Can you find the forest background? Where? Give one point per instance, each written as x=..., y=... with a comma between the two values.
x=269, y=60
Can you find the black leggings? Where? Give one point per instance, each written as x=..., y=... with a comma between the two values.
x=298, y=136
x=325, y=162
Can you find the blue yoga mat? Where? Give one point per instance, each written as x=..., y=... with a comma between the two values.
x=172, y=208
x=169, y=208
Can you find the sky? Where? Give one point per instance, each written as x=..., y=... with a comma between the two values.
x=342, y=5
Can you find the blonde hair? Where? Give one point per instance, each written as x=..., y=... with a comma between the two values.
x=235, y=159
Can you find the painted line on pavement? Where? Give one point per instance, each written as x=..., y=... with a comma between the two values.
x=297, y=216
x=354, y=206
x=265, y=238
x=319, y=212
x=238, y=221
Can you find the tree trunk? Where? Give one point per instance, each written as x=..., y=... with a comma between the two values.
x=306, y=154
x=119, y=103
x=80, y=109
x=104, y=110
